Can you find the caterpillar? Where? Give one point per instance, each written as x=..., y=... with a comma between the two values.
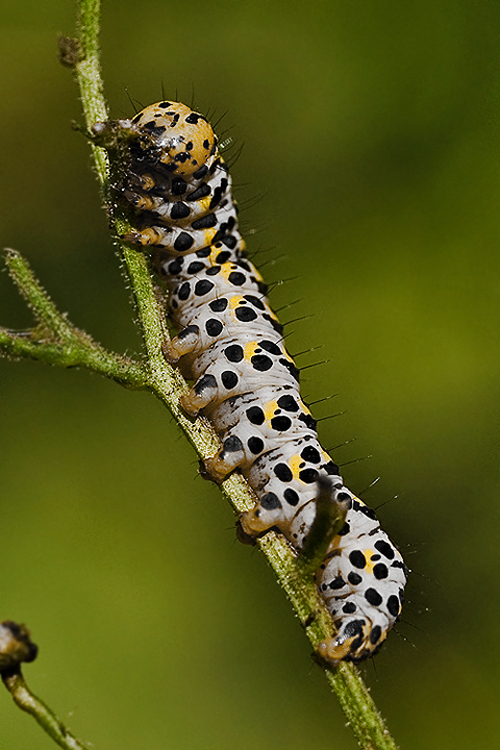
x=177, y=190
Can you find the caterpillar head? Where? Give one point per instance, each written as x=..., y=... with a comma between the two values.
x=165, y=135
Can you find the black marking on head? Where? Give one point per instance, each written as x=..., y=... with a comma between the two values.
x=354, y=629
x=179, y=186
x=182, y=157
x=193, y=118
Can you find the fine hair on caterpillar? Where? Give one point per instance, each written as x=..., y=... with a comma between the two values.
x=176, y=188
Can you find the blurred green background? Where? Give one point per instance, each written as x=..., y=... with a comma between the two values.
x=370, y=134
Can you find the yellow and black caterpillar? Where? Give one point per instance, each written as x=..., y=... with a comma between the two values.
x=230, y=344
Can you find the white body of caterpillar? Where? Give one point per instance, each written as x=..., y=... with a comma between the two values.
x=230, y=343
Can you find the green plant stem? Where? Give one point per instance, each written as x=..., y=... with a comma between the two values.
x=27, y=701
x=88, y=73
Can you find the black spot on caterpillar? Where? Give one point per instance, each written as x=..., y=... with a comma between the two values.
x=178, y=192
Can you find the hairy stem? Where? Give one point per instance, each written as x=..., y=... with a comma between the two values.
x=16, y=646
x=27, y=701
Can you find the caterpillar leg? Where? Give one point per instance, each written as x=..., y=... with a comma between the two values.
x=200, y=396
x=229, y=458
x=262, y=517
x=184, y=343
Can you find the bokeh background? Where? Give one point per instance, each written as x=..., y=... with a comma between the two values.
x=370, y=163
